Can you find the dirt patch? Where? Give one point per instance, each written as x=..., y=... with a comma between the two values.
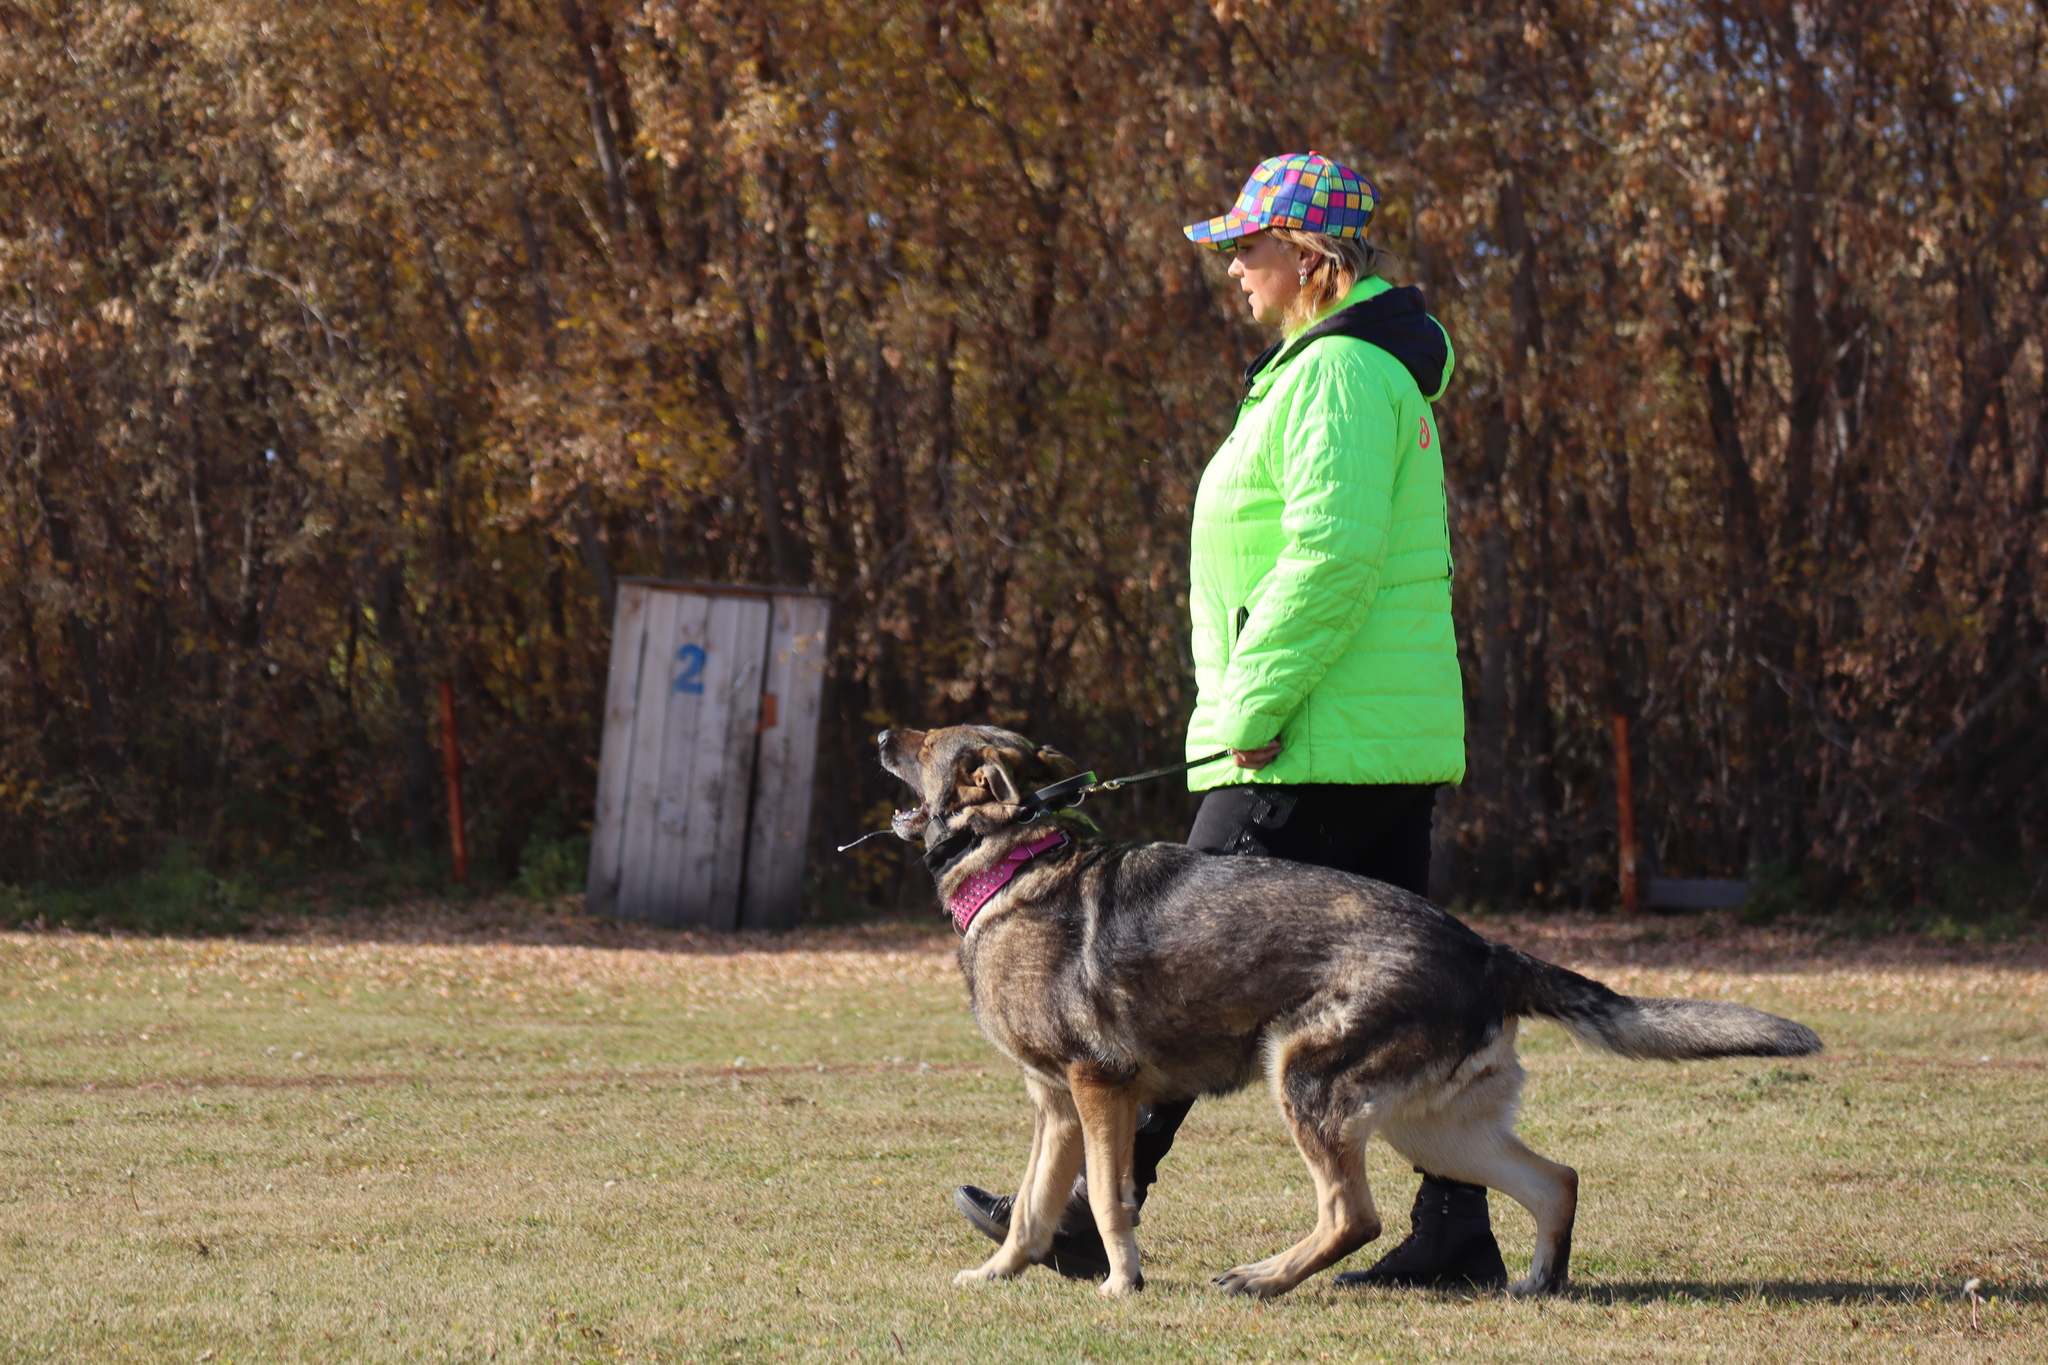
x=1708, y=942
x=1722, y=943
x=564, y=923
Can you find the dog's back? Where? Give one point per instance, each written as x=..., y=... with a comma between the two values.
x=1186, y=965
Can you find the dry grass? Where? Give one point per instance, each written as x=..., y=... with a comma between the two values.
x=508, y=1133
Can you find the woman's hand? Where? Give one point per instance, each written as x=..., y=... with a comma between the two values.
x=1256, y=758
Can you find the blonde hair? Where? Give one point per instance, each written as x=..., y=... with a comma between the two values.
x=1340, y=262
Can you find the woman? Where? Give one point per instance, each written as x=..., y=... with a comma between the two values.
x=1320, y=592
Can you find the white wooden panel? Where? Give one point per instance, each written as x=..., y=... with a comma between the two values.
x=703, y=774
x=615, y=754
x=780, y=828
x=742, y=735
x=683, y=695
x=692, y=691
x=710, y=843
x=704, y=796
x=689, y=662
x=639, y=896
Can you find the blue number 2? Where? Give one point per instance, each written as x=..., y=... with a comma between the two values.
x=691, y=679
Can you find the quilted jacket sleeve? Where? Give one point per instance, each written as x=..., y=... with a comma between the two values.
x=1334, y=465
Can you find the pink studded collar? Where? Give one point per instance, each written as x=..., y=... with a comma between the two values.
x=977, y=890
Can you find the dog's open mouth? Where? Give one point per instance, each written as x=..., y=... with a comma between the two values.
x=909, y=824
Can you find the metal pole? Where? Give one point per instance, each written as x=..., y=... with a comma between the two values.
x=1625, y=821
x=451, y=758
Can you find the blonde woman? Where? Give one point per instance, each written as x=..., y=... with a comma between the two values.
x=1320, y=591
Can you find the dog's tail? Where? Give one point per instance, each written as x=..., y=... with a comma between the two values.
x=1675, y=1030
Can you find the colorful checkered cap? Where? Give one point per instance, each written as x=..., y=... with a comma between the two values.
x=1303, y=190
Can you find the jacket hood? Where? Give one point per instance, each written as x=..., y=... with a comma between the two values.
x=1395, y=320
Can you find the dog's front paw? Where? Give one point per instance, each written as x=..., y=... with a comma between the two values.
x=1001, y=1266
x=1114, y=1288
x=1256, y=1280
x=1533, y=1287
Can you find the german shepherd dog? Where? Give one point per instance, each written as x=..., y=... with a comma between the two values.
x=1122, y=974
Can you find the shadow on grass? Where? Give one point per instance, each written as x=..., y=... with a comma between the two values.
x=1795, y=1291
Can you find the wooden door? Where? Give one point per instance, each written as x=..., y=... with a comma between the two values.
x=675, y=772
x=780, y=828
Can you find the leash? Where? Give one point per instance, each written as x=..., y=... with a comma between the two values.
x=1118, y=783
x=1062, y=795
x=1084, y=785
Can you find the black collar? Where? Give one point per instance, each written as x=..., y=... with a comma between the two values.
x=948, y=851
x=1058, y=796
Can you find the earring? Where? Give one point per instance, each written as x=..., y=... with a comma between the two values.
x=1302, y=278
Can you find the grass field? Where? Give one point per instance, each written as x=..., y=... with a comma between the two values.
x=540, y=1139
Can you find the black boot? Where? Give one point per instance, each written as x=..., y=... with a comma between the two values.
x=1077, y=1251
x=1449, y=1244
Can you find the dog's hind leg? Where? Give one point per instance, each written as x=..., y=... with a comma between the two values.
x=1471, y=1138
x=1109, y=1123
x=1551, y=1194
x=1042, y=1194
x=1331, y=1121
x=1499, y=1160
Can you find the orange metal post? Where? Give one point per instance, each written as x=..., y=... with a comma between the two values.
x=1625, y=822
x=451, y=757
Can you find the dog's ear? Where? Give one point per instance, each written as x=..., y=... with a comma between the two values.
x=1060, y=765
x=994, y=774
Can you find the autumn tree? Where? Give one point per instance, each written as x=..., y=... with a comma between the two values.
x=350, y=348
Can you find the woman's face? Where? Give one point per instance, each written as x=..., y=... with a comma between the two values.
x=1269, y=272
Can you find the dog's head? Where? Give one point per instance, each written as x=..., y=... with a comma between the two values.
x=966, y=777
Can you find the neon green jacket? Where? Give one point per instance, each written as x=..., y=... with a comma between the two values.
x=1320, y=569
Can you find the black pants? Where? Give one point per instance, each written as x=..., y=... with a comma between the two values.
x=1380, y=832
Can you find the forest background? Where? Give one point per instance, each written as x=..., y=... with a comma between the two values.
x=351, y=346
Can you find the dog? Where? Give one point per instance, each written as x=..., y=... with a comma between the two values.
x=1122, y=974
